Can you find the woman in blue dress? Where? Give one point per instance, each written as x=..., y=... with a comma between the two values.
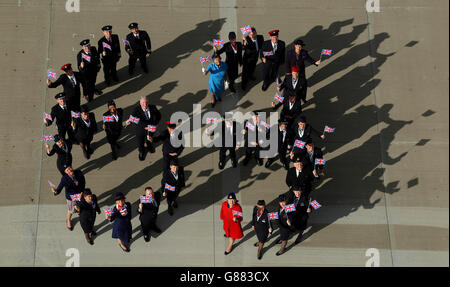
x=121, y=215
x=218, y=70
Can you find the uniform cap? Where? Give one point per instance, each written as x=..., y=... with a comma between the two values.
x=85, y=42
x=231, y=36
x=119, y=196
x=87, y=191
x=299, y=42
x=231, y=195
x=261, y=202
x=302, y=119
x=282, y=198
x=133, y=25
x=84, y=109
x=295, y=69
x=111, y=103
x=274, y=32
x=107, y=28
x=66, y=67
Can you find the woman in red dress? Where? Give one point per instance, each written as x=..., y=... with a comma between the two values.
x=231, y=214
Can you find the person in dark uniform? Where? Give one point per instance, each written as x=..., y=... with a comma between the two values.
x=64, y=151
x=86, y=208
x=261, y=225
x=293, y=84
x=292, y=108
x=233, y=50
x=252, y=44
x=61, y=113
x=84, y=129
x=302, y=210
x=148, y=213
x=139, y=47
x=173, y=144
x=121, y=216
x=300, y=175
x=229, y=140
x=253, y=132
x=71, y=82
x=309, y=155
x=304, y=131
x=272, y=61
x=113, y=129
x=284, y=224
x=88, y=61
x=297, y=57
x=148, y=114
x=109, y=50
x=73, y=182
x=174, y=177
x=284, y=147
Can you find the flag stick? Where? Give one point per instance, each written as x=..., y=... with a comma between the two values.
x=321, y=53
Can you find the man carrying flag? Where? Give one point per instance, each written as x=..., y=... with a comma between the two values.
x=252, y=44
x=60, y=112
x=284, y=148
x=71, y=82
x=139, y=47
x=64, y=151
x=113, y=128
x=174, y=178
x=309, y=154
x=297, y=57
x=88, y=61
x=300, y=216
x=276, y=48
x=300, y=175
x=109, y=49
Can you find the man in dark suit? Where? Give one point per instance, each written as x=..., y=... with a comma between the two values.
x=304, y=131
x=148, y=115
x=297, y=57
x=309, y=155
x=88, y=61
x=284, y=147
x=139, y=47
x=173, y=143
x=292, y=108
x=300, y=216
x=61, y=113
x=233, y=50
x=272, y=55
x=252, y=44
x=172, y=178
x=254, y=133
x=64, y=151
x=113, y=126
x=293, y=84
x=300, y=175
x=84, y=128
x=71, y=82
x=109, y=49
x=74, y=182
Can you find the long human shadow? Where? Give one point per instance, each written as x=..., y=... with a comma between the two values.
x=165, y=57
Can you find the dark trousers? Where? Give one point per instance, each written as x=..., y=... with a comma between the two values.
x=223, y=151
x=252, y=150
x=248, y=68
x=62, y=130
x=142, y=141
x=270, y=72
x=147, y=225
x=109, y=70
x=132, y=62
x=89, y=80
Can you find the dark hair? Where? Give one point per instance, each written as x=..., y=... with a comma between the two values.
x=253, y=29
x=215, y=55
x=148, y=187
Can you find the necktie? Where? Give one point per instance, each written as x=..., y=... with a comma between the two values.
x=275, y=47
x=296, y=201
x=147, y=114
x=73, y=82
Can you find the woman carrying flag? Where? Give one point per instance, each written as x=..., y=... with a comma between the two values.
x=231, y=215
x=86, y=208
x=148, y=212
x=218, y=70
x=261, y=225
x=121, y=215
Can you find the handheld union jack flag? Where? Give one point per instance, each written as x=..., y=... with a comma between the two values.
x=48, y=117
x=75, y=114
x=237, y=213
x=205, y=59
x=107, y=46
x=326, y=52
x=169, y=187
x=328, y=129
x=86, y=57
x=123, y=210
x=108, y=119
x=146, y=199
x=250, y=126
x=217, y=43
x=151, y=128
x=125, y=42
x=278, y=98
x=212, y=121
x=48, y=138
x=273, y=215
x=134, y=120
x=299, y=144
x=315, y=204
x=289, y=208
x=76, y=197
x=108, y=211
x=246, y=29
x=268, y=53
x=51, y=74
x=320, y=161
x=266, y=125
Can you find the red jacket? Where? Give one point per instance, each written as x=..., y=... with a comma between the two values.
x=232, y=229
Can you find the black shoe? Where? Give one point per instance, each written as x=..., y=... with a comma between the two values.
x=245, y=161
x=256, y=244
x=93, y=233
x=175, y=204
x=170, y=210
x=219, y=98
x=259, y=256
x=226, y=253
x=286, y=166
x=232, y=89
x=221, y=165
x=86, y=154
x=268, y=163
x=157, y=230
x=213, y=104
x=260, y=162
x=280, y=252
x=114, y=155
x=141, y=156
x=264, y=88
x=146, y=238
x=91, y=242
x=151, y=149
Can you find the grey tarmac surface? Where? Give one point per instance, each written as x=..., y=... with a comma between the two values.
x=385, y=89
